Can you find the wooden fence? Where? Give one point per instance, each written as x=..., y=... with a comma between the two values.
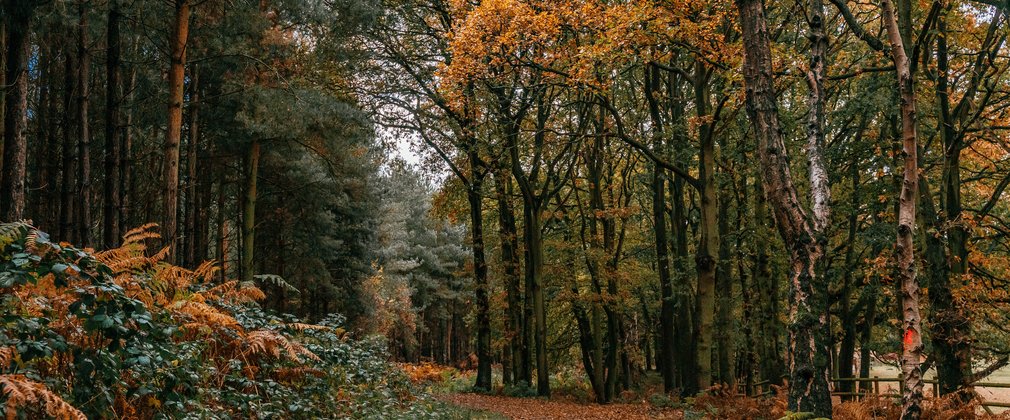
x=863, y=387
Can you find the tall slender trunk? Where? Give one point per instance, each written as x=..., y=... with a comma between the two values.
x=69, y=151
x=808, y=353
x=665, y=354
x=510, y=261
x=587, y=339
x=41, y=204
x=904, y=245
x=222, y=226
x=767, y=292
x=483, y=381
x=189, y=253
x=948, y=330
x=113, y=139
x=84, y=135
x=724, y=340
x=15, y=143
x=708, y=245
x=126, y=161
x=249, y=212
x=173, y=132
x=686, y=360
x=847, y=314
x=3, y=87
x=204, y=199
x=534, y=273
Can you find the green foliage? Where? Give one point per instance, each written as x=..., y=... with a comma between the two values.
x=118, y=342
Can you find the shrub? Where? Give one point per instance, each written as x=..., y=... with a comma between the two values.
x=123, y=334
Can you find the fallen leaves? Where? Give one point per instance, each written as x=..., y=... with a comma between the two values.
x=541, y=409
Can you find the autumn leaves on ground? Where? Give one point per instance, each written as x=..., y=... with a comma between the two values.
x=574, y=401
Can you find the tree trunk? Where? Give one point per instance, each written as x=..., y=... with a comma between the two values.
x=724, y=301
x=67, y=231
x=847, y=314
x=904, y=245
x=665, y=353
x=766, y=286
x=222, y=227
x=189, y=237
x=534, y=273
x=511, y=266
x=126, y=161
x=708, y=245
x=483, y=381
x=84, y=135
x=686, y=357
x=15, y=144
x=948, y=330
x=173, y=132
x=249, y=212
x=110, y=211
x=808, y=355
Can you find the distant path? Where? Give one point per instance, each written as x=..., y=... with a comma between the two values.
x=540, y=409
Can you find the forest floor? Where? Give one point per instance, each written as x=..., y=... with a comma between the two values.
x=541, y=409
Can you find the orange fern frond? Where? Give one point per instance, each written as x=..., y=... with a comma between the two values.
x=7, y=356
x=138, y=234
x=206, y=270
x=204, y=314
x=229, y=291
x=290, y=374
x=23, y=393
x=160, y=255
x=217, y=291
x=275, y=345
x=245, y=294
x=174, y=276
x=298, y=326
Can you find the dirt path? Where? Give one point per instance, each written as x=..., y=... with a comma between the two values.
x=539, y=409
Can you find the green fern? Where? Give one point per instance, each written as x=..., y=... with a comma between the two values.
x=276, y=280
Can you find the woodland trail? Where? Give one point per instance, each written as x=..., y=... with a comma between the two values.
x=540, y=409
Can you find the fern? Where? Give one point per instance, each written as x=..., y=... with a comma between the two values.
x=275, y=345
x=7, y=356
x=13, y=231
x=23, y=393
x=202, y=313
x=277, y=281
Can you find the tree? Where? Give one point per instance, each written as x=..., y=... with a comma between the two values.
x=17, y=19
x=809, y=367
x=173, y=132
x=113, y=129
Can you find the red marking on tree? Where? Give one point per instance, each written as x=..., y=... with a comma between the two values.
x=910, y=337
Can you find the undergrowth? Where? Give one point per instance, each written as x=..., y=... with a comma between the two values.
x=123, y=334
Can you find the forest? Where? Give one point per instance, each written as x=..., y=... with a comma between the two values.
x=504, y=209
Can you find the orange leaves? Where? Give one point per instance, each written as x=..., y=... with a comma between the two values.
x=494, y=35
x=273, y=344
x=426, y=372
x=23, y=394
x=579, y=40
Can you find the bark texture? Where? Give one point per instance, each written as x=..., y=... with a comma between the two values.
x=911, y=343
x=808, y=351
x=173, y=133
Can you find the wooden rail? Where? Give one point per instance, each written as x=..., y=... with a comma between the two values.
x=874, y=389
x=863, y=387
